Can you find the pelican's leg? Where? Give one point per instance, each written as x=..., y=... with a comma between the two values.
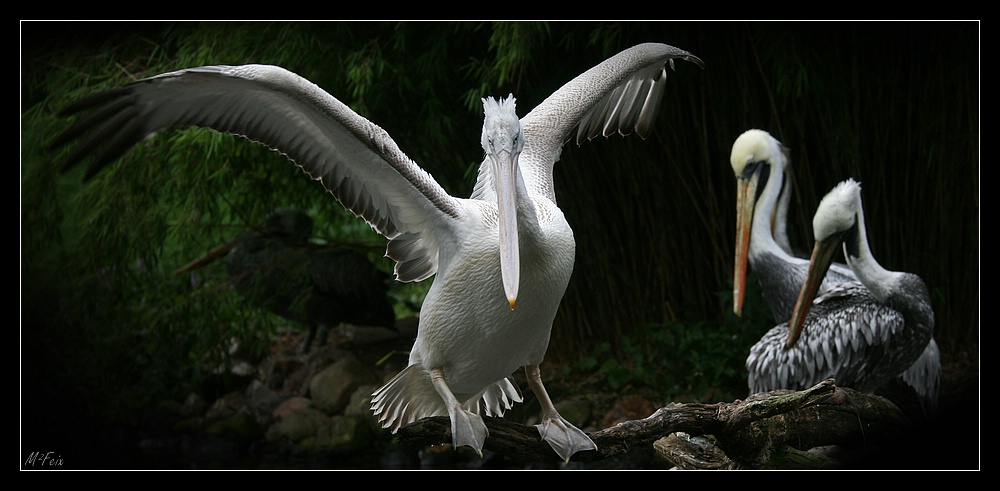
x=304, y=349
x=466, y=428
x=322, y=332
x=562, y=436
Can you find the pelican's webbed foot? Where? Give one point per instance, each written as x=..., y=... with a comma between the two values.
x=467, y=428
x=564, y=438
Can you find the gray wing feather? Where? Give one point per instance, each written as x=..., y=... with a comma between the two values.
x=621, y=94
x=850, y=338
x=354, y=159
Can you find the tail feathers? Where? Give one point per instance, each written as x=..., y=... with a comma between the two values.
x=924, y=377
x=410, y=396
x=498, y=397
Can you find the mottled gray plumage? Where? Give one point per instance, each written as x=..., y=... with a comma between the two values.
x=849, y=336
x=867, y=334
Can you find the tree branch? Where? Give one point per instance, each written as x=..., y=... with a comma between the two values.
x=747, y=433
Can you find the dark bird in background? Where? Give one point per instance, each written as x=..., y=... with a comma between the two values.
x=276, y=267
x=865, y=334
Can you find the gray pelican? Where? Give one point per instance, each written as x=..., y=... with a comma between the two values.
x=863, y=334
x=502, y=257
x=761, y=165
x=275, y=266
x=762, y=240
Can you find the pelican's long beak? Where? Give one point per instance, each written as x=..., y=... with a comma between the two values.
x=746, y=199
x=505, y=163
x=216, y=252
x=819, y=263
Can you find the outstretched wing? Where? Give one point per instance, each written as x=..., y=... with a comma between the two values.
x=354, y=159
